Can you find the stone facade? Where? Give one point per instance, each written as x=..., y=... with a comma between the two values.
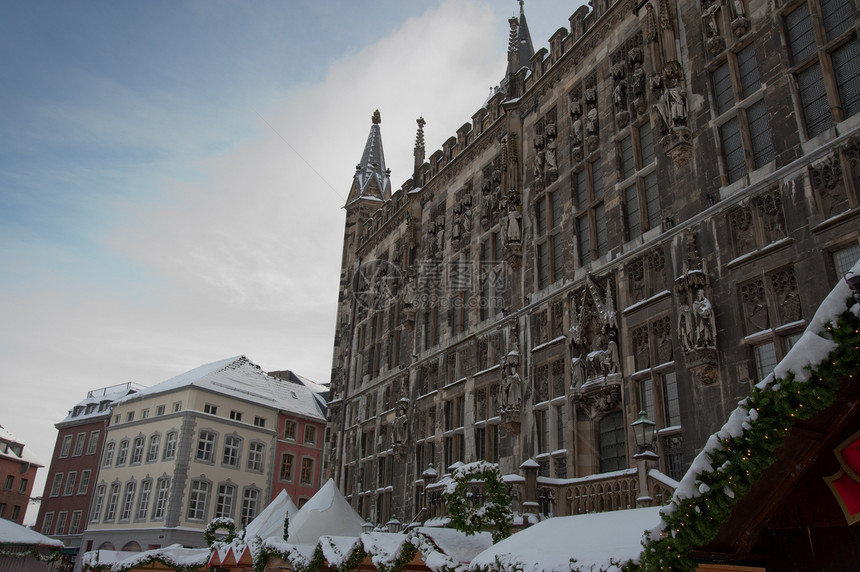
x=643, y=219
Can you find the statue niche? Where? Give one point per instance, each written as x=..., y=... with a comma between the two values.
x=593, y=341
x=697, y=328
x=510, y=401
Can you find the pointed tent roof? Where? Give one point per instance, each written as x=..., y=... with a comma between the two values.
x=326, y=513
x=270, y=522
x=371, y=176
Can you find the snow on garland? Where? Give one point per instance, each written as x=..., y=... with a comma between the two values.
x=165, y=556
x=217, y=524
x=735, y=457
x=494, y=514
x=49, y=557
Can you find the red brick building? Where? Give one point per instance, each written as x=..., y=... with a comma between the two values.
x=298, y=452
x=17, y=473
x=75, y=465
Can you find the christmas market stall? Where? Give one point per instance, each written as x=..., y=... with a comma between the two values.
x=25, y=550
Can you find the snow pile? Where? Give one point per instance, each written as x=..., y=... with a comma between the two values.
x=589, y=542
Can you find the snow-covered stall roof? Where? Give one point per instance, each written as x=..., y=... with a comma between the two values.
x=598, y=541
x=239, y=377
x=326, y=513
x=174, y=556
x=270, y=522
x=14, y=533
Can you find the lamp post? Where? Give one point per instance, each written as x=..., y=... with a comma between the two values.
x=643, y=432
x=367, y=526
x=393, y=525
x=646, y=458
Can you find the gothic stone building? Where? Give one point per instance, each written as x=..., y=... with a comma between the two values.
x=643, y=217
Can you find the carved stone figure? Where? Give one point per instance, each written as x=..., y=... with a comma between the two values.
x=591, y=122
x=710, y=18
x=511, y=394
x=706, y=332
x=399, y=425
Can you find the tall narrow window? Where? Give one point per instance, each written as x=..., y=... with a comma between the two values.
x=822, y=43
x=127, y=501
x=612, y=443
x=143, y=499
x=745, y=134
x=98, y=501
x=154, y=444
x=112, y=502
x=224, y=504
x=161, y=499
x=205, y=446
x=250, y=505
x=592, y=237
x=197, y=497
x=170, y=446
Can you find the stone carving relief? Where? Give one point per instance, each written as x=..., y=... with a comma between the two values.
x=784, y=286
x=696, y=327
x=593, y=338
x=826, y=178
x=754, y=306
x=510, y=401
x=769, y=207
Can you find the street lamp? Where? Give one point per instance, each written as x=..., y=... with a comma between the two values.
x=393, y=524
x=643, y=432
x=367, y=526
x=646, y=458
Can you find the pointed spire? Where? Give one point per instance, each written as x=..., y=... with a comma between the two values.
x=525, y=48
x=419, y=153
x=520, y=52
x=371, y=177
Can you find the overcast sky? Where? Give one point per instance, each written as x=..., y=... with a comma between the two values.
x=172, y=175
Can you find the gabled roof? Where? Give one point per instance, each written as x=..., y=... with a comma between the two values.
x=239, y=377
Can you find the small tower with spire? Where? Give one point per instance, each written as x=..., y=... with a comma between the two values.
x=520, y=52
x=371, y=178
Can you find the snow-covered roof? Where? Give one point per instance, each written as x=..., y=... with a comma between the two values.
x=12, y=448
x=14, y=533
x=580, y=542
x=91, y=406
x=174, y=556
x=326, y=513
x=239, y=377
x=270, y=522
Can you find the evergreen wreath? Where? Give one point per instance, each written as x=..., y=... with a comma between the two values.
x=736, y=462
x=49, y=557
x=494, y=514
x=217, y=524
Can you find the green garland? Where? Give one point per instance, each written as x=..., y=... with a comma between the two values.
x=50, y=557
x=217, y=524
x=739, y=461
x=494, y=515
